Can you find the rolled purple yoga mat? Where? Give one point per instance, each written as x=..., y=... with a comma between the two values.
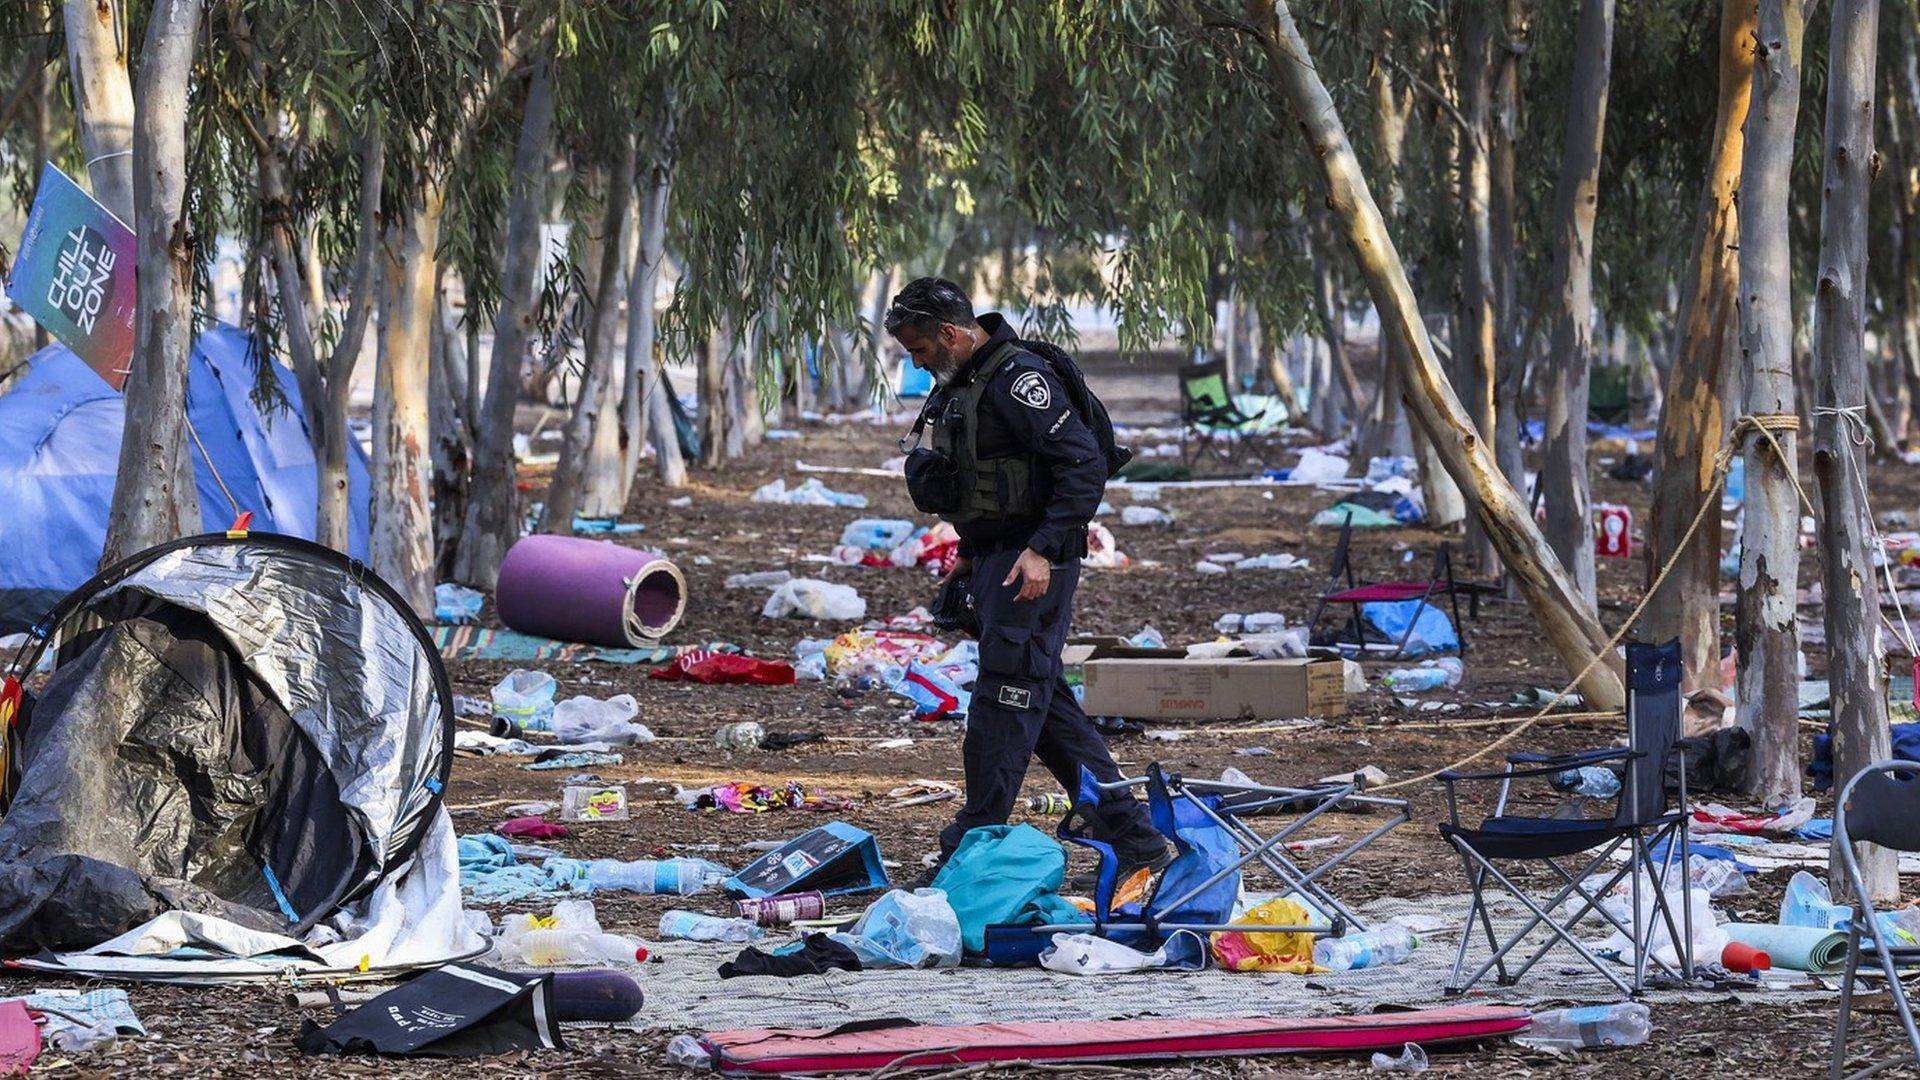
x=594, y=591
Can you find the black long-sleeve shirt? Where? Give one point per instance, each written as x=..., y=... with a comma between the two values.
x=1026, y=411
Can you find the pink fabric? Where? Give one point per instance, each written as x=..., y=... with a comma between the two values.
x=1384, y=590
x=768, y=1050
x=530, y=828
x=702, y=666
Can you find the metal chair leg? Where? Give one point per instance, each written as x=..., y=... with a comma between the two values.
x=1843, y=1019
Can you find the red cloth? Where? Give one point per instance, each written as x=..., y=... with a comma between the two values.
x=1384, y=591
x=19, y=1039
x=530, y=828
x=702, y=666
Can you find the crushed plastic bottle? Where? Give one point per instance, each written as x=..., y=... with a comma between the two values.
x=875, y=534
x=761, y=579
x=1390, y=944
x=1430, y=675
x=571, y=937
x=1592, y=781
x=1624, y=1023
x=678, y=877
x=677, y=925
x=688, y=1053
x=1412, y=1059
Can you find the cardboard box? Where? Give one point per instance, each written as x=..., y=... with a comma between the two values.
x=1079, y=650
x=1228, y=689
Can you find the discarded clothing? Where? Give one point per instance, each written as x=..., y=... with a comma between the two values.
x=1718, y=761
x=578, y=759
x=531, y=828
x=701, y=666
x=816, y=954
x=810, y=493
x=1005, y=875
x=73, y=1020
x=1714, y=818
x=750, y=798
x=491, y=873
x=1906, y=744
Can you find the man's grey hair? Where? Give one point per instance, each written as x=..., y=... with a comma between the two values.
x=927, y=303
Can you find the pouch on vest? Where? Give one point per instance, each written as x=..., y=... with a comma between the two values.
x=933, y=482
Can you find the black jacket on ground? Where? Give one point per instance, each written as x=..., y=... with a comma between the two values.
x=1025, y=411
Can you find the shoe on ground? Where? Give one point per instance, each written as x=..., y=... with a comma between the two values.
x=1129, y=866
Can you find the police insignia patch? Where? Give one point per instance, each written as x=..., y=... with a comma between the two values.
x=1015, y=697
x=1031, y=390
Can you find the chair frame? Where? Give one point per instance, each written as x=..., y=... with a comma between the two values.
x=1440, y=581
x=1213, y=432
x=1864, y=928
x=1640, y=838
x=1240, y=800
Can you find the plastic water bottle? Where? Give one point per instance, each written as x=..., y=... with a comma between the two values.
x=687, y=1052
x=1391, y=944
x=577, y=948
x=1592, y=781
x=682, y=877
x=1625, y=1023
x=1430, y=675
x=679, y=925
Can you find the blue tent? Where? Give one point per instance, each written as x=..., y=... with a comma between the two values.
x=60, y=447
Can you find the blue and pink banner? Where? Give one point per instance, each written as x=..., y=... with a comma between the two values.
x=75, y=274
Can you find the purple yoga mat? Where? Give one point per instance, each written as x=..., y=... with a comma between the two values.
x=594, y=591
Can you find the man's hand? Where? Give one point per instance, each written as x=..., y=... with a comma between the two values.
x=962, y=566
x=1034, y=573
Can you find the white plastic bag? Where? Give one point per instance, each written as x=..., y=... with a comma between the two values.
x=904, y=929
x=525, y=698
x=810, y=598
x=582, y=719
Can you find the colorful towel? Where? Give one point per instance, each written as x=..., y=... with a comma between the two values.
x=482, y=643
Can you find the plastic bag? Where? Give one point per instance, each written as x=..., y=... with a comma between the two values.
x=1102, y=553
x=1144, y=515
x=876, y=534
x=456, y=603
x=1086, y=954
x=525, y=698
x=1240, y=950
x=582, y=719
x=1708, y=938
x=810, y=598
x=906, y=930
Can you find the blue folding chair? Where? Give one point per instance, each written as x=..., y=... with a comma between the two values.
x=1641, y=822
x=1880, y=805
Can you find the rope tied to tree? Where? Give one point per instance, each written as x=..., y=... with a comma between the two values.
x=1766, y=424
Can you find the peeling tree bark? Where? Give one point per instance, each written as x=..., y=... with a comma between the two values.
x=1569, y=629
x=402, y=544
x=1476, y=350
x=493, y=507
x=1847, y=540
x=1701, y=377
x=1764, y=629
x=1510, y=364
x=103, y=100
x=1565, y=481
x=154, y=499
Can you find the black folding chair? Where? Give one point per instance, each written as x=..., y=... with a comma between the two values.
x=1212, y=427
x=1876, y=807
x=1344, y=588
x=1641, y=822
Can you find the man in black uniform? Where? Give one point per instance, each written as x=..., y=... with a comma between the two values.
x=1030, y=477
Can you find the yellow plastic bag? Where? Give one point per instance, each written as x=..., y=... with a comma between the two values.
x=1239, y=950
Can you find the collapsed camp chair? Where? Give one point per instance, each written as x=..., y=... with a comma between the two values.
x=1207, y=820
x=1344, y=588
x=1641, y=822
x=1213, y=429
x=1876, y=807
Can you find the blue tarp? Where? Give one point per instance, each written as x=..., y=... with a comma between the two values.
x=1433, y=632
x=60, y=447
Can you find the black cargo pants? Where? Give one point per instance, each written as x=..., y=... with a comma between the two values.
x=1023, y=708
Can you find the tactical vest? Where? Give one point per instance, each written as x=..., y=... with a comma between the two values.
x=994, y=488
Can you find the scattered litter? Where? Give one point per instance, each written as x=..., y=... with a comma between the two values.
x=759, y=579
x=751, y=798
x=570, y=937
x=454, y=603
x=1626, y=1023
x=1317, y=466
x=604, y=526
x=524, y=699
x=811, y=598
x=892, y=744
x=1412, y=1059
x=810, y=492
x=532, y=809
x=665, y=877
x=677, y=925
x=701, y=666
x=588, y=719
x=740, y=735
x=1145, y=515
x=1430, y=675
x=593, y=802
x=1263, y=622
x=1102, y=553
x=1148, y=638
x=922, y=792
x=530, y=828
x=1165, y=734
x=574, y=760
x=783, y=910
x=682, y=501
x=1368, y=776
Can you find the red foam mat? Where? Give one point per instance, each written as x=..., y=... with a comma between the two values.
x=759, y=1051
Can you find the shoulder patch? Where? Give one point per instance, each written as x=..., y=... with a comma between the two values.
x=1030, y=389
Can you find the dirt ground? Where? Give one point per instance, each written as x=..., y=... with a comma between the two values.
x=248, y=1031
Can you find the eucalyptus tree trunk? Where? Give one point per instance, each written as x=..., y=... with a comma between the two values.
x=586, y=478
x=401, y=549
x=103, y=100
x=452, y=447
x=1848, y=540
x=1702, y=376
x=1510, y=364
x=1476, y=349
x=154, y=499
x=1764, y=627
x=711, y=367
x=753, y=356
x=1570, y=630
x=1576, y=198
x=493, y=507
x=644, y=406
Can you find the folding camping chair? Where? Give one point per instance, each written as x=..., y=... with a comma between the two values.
x=1213, y=428
x=1641, y=821
x=1357, y=592
x=1876, y=807
x=1207, y=820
